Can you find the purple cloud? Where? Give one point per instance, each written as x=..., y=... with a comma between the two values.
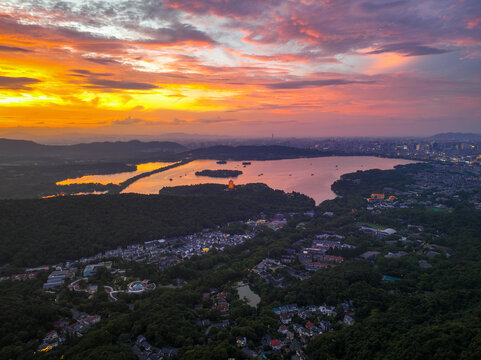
x=176, y=33
x=120, y=85
x=217, y=120
x=373, y=6
x=13, y=49
x=17, y=83
x=102, y=60
x=409, y=49
x=236, y=8
x=83, y=72
x=130, y=121
x=312, y=83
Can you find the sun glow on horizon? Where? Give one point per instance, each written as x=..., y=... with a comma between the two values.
x=187, y=66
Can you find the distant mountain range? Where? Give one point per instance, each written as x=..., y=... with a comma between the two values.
x=24, y=150
x=136, y=150
x=456, y=136
x=97, y=150
x=267, y=152
x=61, y=137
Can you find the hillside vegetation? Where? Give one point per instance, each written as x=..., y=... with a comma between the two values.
x=37, y=231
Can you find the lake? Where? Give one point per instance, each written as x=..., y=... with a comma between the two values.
x=115, y=178
x=310, y=176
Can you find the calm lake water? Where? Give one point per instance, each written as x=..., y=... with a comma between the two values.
x=245, y=291
x=310, y=176
x=115, y=178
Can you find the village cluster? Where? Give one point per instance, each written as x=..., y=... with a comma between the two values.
x=297, y=325
x=435, y=187
x=63, y=328
x=312, y=258
x=162, y=252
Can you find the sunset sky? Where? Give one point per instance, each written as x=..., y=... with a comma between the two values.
x=241, y=67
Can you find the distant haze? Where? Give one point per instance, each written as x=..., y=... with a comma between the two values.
x=63, y=137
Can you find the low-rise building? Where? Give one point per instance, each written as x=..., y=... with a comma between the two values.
x=91, y=269
x=275, y=344
x=348, y=320
x=55, y=279
x=369, y=255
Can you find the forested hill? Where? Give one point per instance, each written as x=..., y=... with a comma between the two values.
x=135, y=149
x=270, y=152
x=31, y=170
x=21, y=149
x=456, y=136
x=38, y=231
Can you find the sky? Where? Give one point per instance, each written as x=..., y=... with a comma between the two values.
x=240, y=67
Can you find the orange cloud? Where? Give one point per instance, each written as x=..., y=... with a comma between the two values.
x=201, y=61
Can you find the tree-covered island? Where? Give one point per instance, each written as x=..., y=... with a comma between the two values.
x=220, y=173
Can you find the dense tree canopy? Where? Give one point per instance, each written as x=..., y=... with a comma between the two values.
x=430, y=313
x=35, y=232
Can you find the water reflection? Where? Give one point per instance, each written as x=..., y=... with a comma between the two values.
x=247, y=294
x=311, y=176
x=115, y=178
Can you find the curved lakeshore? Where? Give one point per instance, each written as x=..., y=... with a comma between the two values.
x=125, y=184
x=310, y=176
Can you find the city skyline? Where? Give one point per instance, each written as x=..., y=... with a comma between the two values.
x=242, y=68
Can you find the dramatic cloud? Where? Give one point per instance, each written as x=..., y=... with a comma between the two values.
x=130, y=121
x=124, y=85
x=13, y=49
x=236, y=8
x=84, y=72
x=315, y=63
x=373, y=6
x=312, y=83
x=217, y=120
x=409, y=49
x=177, y=33
x=16, y=83
x=102, y=60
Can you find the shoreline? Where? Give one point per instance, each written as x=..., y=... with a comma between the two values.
x=317, y=188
